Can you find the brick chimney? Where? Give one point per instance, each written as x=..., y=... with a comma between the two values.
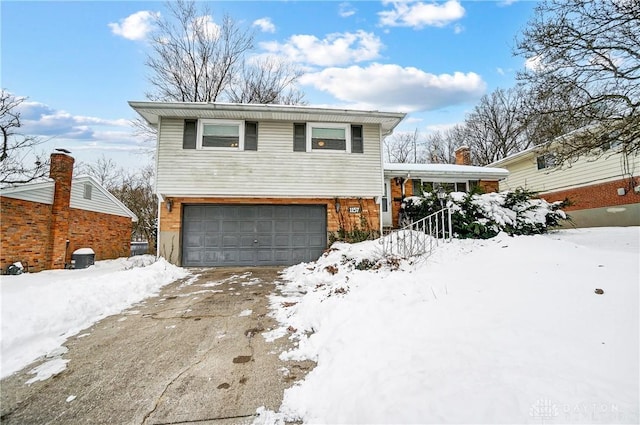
x=61, y=171
x=463, y=155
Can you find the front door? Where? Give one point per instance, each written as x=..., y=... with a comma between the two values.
x=387, y=220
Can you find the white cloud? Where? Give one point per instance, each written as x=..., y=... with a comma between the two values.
x=345, y=9
x=420, y=14
x=457, y=29
x=534, y=63
x=412, y=120
x=265, y=25
x=442, y=127
x=392, y=87
x=210, y=29
x=39, y=119
x=135, y=26
x=500, y=71
x=334, y=49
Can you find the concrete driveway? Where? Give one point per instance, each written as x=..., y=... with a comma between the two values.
x=194, y=354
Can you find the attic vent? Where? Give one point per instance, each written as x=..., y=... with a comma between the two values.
x=87, y=190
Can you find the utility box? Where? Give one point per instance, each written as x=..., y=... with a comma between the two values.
x=83, y=258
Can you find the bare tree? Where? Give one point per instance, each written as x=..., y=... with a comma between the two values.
x=405, y=147
x=134, y=189
x=585, y=54
x=105, y=170
x=267, y=80
x=19, y=162
x=193, y=59
x=441, y=145
x=496, y=128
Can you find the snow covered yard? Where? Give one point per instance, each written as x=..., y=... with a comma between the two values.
x=41, y=310
x=505, y=330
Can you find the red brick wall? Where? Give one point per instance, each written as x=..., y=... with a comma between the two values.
x=61, y=171
x=596, y=196
x=108, y=235
x=489, y=186
x=396, y=197
x=25, y=233
x=369, y=210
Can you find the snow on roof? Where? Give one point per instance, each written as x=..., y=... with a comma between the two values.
x=443, y=171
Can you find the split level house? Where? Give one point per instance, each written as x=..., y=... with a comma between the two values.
x=249, y=184
x=604, y=189
x=43, y=222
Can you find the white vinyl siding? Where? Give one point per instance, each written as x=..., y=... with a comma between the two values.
x=274, y=170
x=43, y=194
x=99, y=202
x=523, y=172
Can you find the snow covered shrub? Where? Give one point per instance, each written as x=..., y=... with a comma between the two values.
x=483, y=216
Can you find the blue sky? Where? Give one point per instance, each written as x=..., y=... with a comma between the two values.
x=79, y=62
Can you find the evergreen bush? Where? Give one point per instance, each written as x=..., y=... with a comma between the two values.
x=483, y=216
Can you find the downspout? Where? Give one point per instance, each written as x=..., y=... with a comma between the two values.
x=158, y=230
x=382, y=191
x=155, y=183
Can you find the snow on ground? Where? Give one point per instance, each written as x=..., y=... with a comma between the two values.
x=505, y=330
x=41, y=310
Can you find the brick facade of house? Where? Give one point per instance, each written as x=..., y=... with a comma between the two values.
x=26, y=237
x=596, y=195
x=36, y=234
x=368, y=215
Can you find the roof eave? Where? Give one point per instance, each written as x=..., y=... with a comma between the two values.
x=150, y=111
x=445, y=174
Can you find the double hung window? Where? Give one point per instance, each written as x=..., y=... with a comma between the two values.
x=216, y=134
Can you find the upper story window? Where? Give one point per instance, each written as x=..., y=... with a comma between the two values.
x=546, y=161
x=333, y=137
x=217, y=134
x=327, y=137
x=220, y=135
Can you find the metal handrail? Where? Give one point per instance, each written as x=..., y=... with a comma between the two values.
x=419, y=237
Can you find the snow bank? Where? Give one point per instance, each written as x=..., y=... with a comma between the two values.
x=505, y=330
x=41, y=310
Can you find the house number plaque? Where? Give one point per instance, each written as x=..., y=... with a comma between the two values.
x=354, y=210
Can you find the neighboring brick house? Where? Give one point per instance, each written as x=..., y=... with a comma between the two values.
x=43, y=222
x=247, y=184
x=604, y=190
x=403, y=179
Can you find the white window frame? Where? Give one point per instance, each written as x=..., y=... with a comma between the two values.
x=442, y=180
x=203, y=122
x=347, y=135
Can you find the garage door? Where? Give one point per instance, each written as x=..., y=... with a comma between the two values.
x=252, y=235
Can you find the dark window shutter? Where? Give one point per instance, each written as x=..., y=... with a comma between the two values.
x=357, y=144
x=189, y=135
x=250, y=136
x=299, y=137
